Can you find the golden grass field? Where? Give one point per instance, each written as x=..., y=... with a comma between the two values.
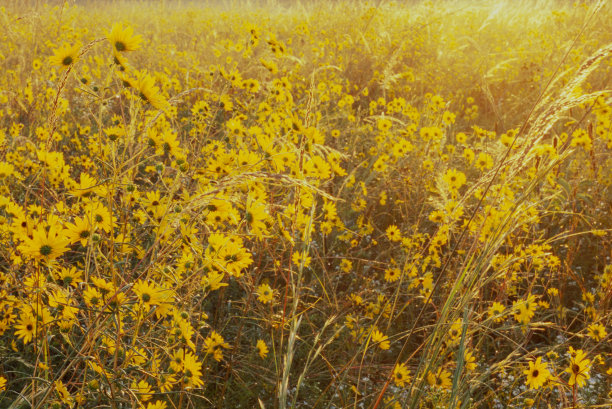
x=305, y=204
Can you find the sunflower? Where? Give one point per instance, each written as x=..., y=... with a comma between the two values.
x=496, y=312
x=26, y=327
x=177, y=360
x=79, y=231
x=597, y=332
x=537, y=374
x=401, y=375
x=100, y=217
x=63, y=393
x=392, y=274
x=234, y=258
x=32, y=319
x=214, y=345
x=440, y=379
x=454, y=179
x=45, y=245
x=213, y=281
x=579, y=369
x=256, y=217
x=120, y=62
x=92, y=297
x=265, y=294
x=525, y=309
x=144, y=84
x=142, y=389
x=393, y=233
x=484, y=161
x=66, y=55
x=262, y=348
x=148, y=294
x=123, y=38
x=192, y=371
x=346, y=265
x=157, y=405
x=381, y=339
x=470, y=361
x=87, y=187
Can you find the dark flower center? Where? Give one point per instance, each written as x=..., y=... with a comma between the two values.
x=120, y=46
x=67, y=60
x=46, y=250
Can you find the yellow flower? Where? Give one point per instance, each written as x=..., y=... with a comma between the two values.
x=448, y=118
x=148, y=294
x=262, y=348
x=525, y=309
x=470, y=361
x=455, y=330
x=468, y=155
x=537, y=374
x=454, y=179
x=579, y=369
x=440, y=379
x=265, y=294
x=401, y=375
x=26, y=327
x=62, y=391
x=92, y=297
x=45, y=245
x=257, y=217
x=299, y=258
x=142, y=389
x=392, y=274
x=597, y=332
x=346, y=265
x=192, y=371
x=144, y=84
x=2, y=383
x=213, y=281
x=393, y=233
x=213, y=345
x=66, y=55
x=79, y=231
x=123, y=38
x=484, y=161
x=381, y=339
x=157, y=405
x=87, y=186
x=496, y=312
x=100, y=216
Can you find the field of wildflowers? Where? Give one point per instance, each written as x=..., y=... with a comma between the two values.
x=305, y=205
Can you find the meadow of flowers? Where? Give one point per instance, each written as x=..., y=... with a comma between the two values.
x=305, y=204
